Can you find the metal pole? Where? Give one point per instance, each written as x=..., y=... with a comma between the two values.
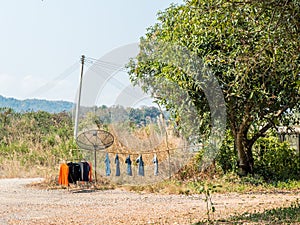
x=78, y=99
x=298, y=143
x=95, y=165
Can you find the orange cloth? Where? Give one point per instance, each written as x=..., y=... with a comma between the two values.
x=90, y=172
x=63, y=174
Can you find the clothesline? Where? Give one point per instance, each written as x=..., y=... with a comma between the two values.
x=82, y=171
x=144, y=153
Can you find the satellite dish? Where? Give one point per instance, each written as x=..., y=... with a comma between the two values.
x=95, y=140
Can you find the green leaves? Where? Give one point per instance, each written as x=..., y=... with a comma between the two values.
x=251, y=48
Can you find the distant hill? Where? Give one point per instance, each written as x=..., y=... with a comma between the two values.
x=35, y=105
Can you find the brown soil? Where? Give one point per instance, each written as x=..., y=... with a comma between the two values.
x=21, y=204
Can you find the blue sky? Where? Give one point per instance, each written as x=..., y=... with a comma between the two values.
x=40, y=40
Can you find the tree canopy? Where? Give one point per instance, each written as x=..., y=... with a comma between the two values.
x=252, y=48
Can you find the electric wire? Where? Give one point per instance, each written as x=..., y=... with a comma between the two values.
x=111, y=79
x=98, y=61
x=105, y=64
x=90, y=62
x=51, y=84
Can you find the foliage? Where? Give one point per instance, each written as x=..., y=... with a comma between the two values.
x=144, y=115
x=207, y=191
x=251, y=47
x=36, y=138
x=227, y=157
x=276, y=160
x=42, y=139
x=104, y=115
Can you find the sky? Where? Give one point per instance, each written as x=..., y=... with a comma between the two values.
x=42, y=41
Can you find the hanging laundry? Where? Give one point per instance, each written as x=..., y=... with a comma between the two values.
x=128, y=162
x=74, y=172
x=63, y=174
x=107, y=165
x=117, y=162
x=85, y=169
x=155, y=161
x=140, y=161
x=90, y=172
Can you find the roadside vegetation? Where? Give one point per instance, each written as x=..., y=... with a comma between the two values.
x=248, y=58
x=287, y=215
x=34, y=143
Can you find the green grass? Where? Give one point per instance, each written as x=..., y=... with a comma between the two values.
x=282, y=215
x=288, y=215
x=233, y=183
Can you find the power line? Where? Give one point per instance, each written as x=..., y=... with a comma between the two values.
x=99, y=66
x=49, y=85
x=105, y=64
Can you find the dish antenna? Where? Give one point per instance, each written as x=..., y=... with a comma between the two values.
x=95, y=140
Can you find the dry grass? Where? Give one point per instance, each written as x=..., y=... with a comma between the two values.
x=16, y=169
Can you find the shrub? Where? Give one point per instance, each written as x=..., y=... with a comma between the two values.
x=227, y=156
x=275, y=160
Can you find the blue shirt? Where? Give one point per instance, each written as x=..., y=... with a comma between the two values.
x=107, y=165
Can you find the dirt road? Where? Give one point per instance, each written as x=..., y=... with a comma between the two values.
x=23, y=205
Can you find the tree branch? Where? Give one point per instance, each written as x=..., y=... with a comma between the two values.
x=261, y=132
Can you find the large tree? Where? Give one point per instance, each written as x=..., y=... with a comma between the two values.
x=252, y=48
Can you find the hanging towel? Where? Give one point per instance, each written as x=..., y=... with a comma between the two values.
x=63, y=174
x=128, y=162
x=117, y=161
x=155, y=161
x=140, y=161
x=107, y=165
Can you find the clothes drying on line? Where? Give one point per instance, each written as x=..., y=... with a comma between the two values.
x=107, y=165
x=73, y=172
x=117, y=162
x=85, y=169
x=63, y=175
x=155, y=161
x=128, y=162
x=140, y=161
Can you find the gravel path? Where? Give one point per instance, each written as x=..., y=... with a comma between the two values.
x=23, y=205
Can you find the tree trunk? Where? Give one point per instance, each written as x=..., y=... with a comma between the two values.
x=245, y=156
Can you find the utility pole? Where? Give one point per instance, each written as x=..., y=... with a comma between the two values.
x=78, y=99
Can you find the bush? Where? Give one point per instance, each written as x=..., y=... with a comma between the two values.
x=275, y=160
x=227, y=156
x=35, y=139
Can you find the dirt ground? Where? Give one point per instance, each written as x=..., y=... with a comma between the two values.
x=20, y=204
